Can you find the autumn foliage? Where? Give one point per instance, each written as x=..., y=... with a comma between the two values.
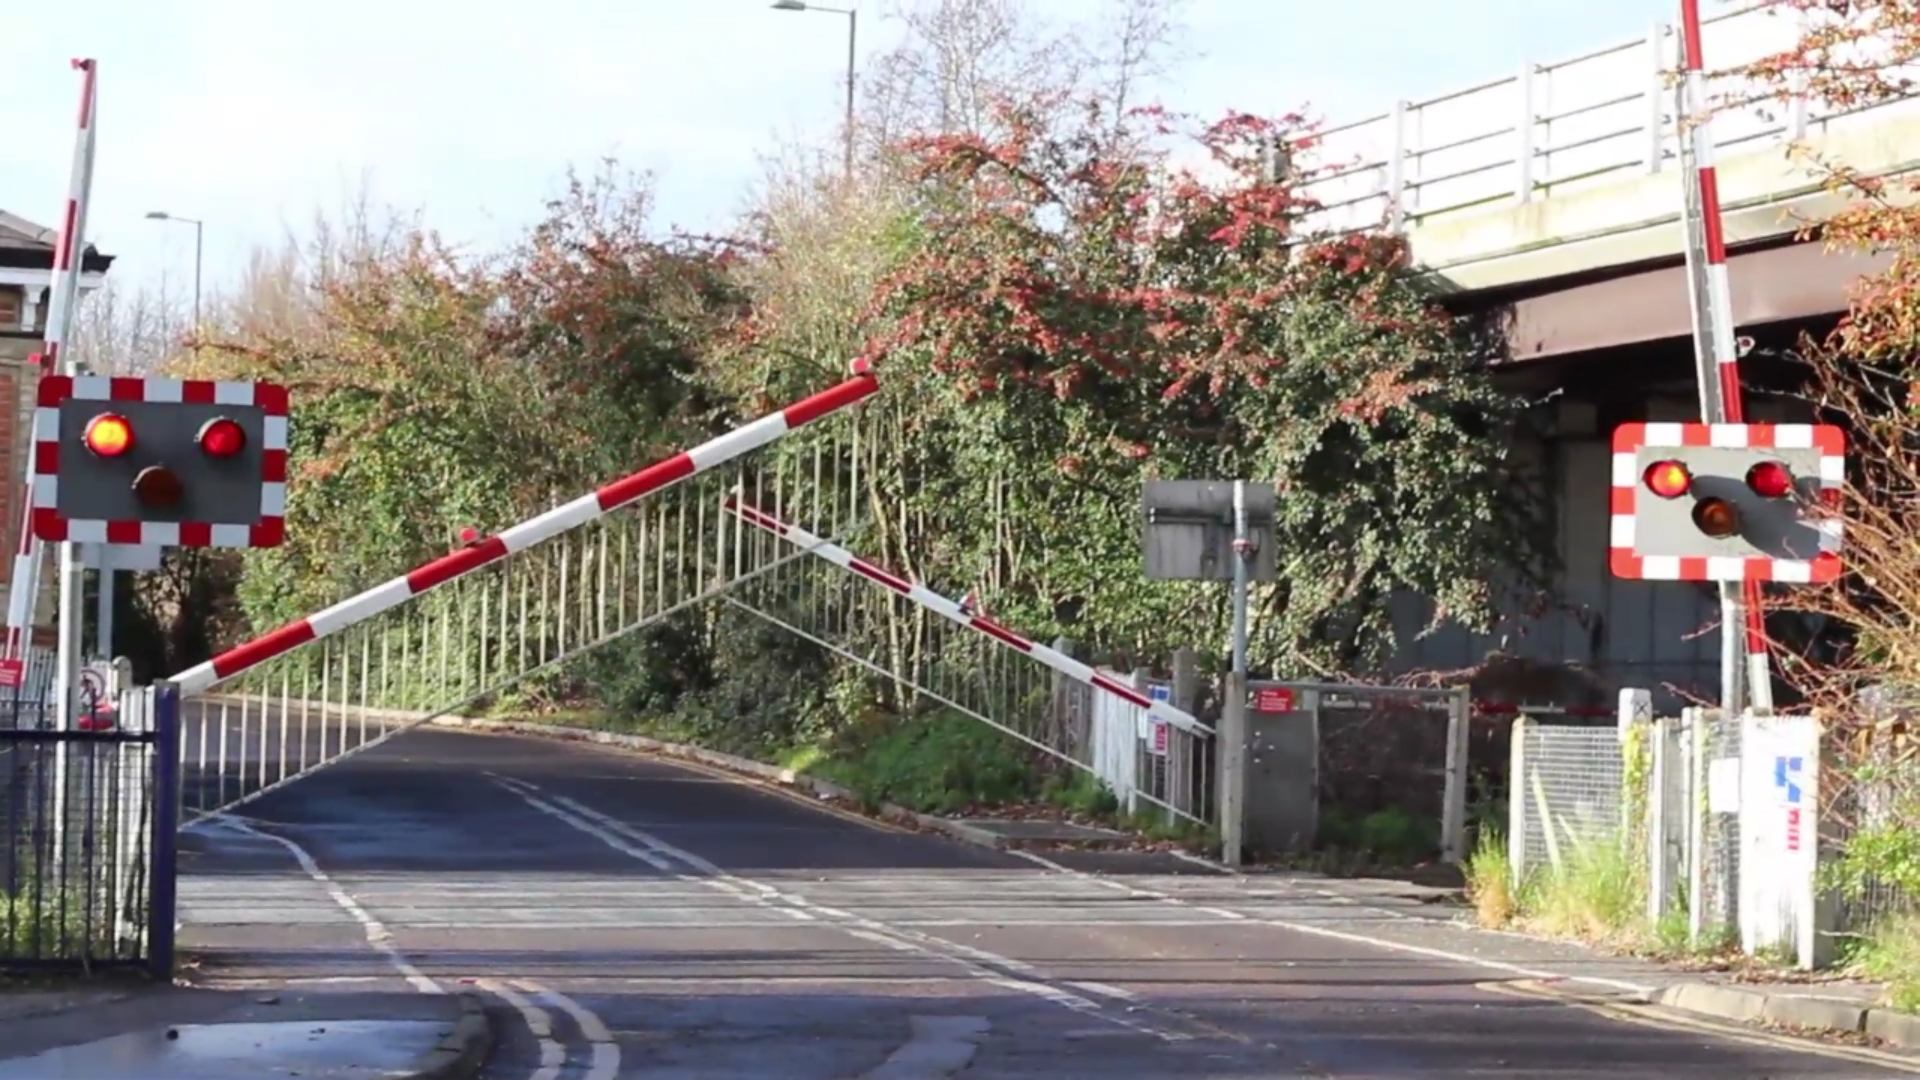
x=1092, y=305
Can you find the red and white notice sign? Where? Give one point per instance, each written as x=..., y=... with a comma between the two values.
x=1273, y=699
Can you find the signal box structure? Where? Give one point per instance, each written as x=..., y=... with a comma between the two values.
x=1726, y=502
x=162, y=462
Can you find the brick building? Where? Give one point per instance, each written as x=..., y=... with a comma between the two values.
x=26, y=273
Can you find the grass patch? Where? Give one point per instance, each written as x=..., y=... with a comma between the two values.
x=1891, y=954
x=934, y=764
x=1490, y=881
x=1597, y=893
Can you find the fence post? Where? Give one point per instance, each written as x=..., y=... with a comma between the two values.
x=1694, y=720
x=1659, y=810
x=1453, y=808
x=162, y=876
x=1196, y=752
x=1232, y=741
x=1060, y=699
x=1517, y=798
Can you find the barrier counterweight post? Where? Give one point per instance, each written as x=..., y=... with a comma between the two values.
x=69, y=253
x=608, y=498
x=1717, y=351
x=954, y=612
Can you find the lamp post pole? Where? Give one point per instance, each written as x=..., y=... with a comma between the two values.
x=853, y=64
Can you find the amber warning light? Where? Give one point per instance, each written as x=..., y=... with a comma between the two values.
x=108, y=435
x=156, y=485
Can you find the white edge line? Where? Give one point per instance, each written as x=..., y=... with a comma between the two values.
x=379, y=938
x=1350, y=938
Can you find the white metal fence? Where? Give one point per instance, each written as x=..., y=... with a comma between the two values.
x=1557, y=128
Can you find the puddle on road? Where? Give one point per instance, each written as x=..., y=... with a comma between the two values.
x=312, y=1050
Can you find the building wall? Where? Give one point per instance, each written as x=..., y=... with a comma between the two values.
x=20, y=328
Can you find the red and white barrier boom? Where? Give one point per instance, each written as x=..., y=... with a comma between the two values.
x=572, y=515
x=69, y=249
x=940, y=605
x=1712, y=289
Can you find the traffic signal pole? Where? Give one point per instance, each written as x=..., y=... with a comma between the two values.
x=1716, y=356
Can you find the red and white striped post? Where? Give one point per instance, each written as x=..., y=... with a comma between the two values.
x=1718, y=305
x=955, y=612
x=480, y=552
x=68, y=252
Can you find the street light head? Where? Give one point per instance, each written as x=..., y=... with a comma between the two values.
x=158, y=215
x=789, y=5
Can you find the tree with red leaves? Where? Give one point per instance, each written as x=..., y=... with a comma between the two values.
x=1865, y=373
x=1095, y=316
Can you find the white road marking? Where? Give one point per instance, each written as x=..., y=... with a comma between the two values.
x=378, y=937
x=553, y=1056
x=606, y=1052
x=1337, y=935
x=606, y=1055
x=976, y=962
x=941, y=1046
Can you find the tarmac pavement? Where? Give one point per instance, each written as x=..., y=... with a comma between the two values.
x=629, y=917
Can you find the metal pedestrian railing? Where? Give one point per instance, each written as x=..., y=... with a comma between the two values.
x=87, y=822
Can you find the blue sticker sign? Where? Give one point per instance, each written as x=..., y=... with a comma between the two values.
x=1787, y=775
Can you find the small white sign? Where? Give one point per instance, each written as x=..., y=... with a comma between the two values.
x=130, y=557
x=1723, y=786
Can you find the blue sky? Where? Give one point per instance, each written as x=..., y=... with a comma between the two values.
x=253, y=113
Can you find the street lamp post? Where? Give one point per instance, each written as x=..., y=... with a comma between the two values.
x=199, y=231
x=853, y=29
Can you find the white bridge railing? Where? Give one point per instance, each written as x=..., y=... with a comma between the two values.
x=1551, y=129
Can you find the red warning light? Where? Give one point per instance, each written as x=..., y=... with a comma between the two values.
x=156, y=485
x=1668, y=479
x=109, y=435
x=221, y=438
x=1770, y=480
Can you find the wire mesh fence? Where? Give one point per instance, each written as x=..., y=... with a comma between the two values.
x=1870, y=810
x=1567, y=795
x=1716, y=762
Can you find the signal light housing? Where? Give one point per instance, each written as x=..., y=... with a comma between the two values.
x=156, y=485
x=1770, y=480
x=1668, y=479
x=108, y=435
x=221, y=438
x=1717, y=518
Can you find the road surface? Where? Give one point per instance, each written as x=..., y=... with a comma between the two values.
x=632, y=918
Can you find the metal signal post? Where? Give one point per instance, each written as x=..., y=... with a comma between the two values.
x=1716, y=356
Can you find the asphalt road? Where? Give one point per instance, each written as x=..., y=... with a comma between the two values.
x=630, y=918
